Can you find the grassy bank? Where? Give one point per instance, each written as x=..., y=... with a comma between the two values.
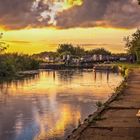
x=127, y=65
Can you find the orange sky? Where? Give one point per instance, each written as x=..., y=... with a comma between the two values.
x=90, y=23
x=46, y=39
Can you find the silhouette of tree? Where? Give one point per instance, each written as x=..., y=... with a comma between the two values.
x=99, y=51
x=70, y=49
x=3, y=45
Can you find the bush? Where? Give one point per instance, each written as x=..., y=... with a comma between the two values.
x=10, y=64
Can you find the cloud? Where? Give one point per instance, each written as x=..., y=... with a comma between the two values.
x=19, y=14
x=95, y=44
x=106, y=13
x=17, y=41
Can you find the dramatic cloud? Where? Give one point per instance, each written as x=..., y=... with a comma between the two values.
x=114, y=13
x=19, y=14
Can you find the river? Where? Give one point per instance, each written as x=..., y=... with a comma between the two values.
x=51, y=104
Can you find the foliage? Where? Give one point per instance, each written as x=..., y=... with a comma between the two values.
x=133, y=44
x=10, y=64
x=70, y=49
x=44, y=54
x=76, y=51
x=98, y=51
x=99, y=104
x=127, y=65
x=3, y=45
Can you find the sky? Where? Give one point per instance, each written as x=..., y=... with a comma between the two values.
x=33, y=26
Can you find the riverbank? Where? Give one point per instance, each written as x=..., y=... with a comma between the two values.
x=20, y=75
x=95, y=66
x=28, y=73
x=63, y=66
x=116, y=120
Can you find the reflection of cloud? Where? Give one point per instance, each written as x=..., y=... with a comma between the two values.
x=56, y=126
x=80, y=100
x=95, y=44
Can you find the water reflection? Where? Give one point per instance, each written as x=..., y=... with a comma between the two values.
x=49, y=105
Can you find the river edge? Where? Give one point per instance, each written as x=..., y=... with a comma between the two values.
x=92, y=118
x=20, y=75
x=29, y=73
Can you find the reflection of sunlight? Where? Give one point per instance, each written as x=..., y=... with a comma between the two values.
x=51, y=82
x=19, y=125
x=54, y=101
x=56, y=128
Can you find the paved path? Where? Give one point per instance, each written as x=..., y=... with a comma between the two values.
x=119, y=122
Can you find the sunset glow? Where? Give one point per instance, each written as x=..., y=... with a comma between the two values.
x=37, y=40
x=69, y=69
x=47, y=23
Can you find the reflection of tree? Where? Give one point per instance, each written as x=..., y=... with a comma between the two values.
x=108, y=76
x=95, y=76
x=101, y=75
x=54, y=75
x=68, y=75
x=6, y=83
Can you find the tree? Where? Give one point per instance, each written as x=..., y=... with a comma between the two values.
x=133, y=44
x=69, y=48
x=3, y=45
x=10, y=64
x=99, y=51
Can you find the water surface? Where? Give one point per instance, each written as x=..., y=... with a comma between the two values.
x=50, y=105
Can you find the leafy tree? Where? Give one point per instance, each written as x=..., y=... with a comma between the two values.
x=99, y=51
x=3, y=45
x=70, y=49
x=133, y=43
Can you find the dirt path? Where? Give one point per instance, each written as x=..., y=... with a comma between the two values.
x=119, y=121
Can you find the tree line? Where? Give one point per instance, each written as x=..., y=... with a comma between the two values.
x=72, y=50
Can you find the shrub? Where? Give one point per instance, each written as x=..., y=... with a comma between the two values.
x=10, y=64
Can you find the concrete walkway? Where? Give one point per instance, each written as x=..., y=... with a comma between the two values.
x=119, y=121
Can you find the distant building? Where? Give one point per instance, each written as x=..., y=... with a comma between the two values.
x=123, y=59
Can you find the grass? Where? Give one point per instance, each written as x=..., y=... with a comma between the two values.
x=99, y=104
x=127, y=65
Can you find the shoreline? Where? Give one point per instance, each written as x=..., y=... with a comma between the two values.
x=20, y=75
x=101, y=66
x=28, y=73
